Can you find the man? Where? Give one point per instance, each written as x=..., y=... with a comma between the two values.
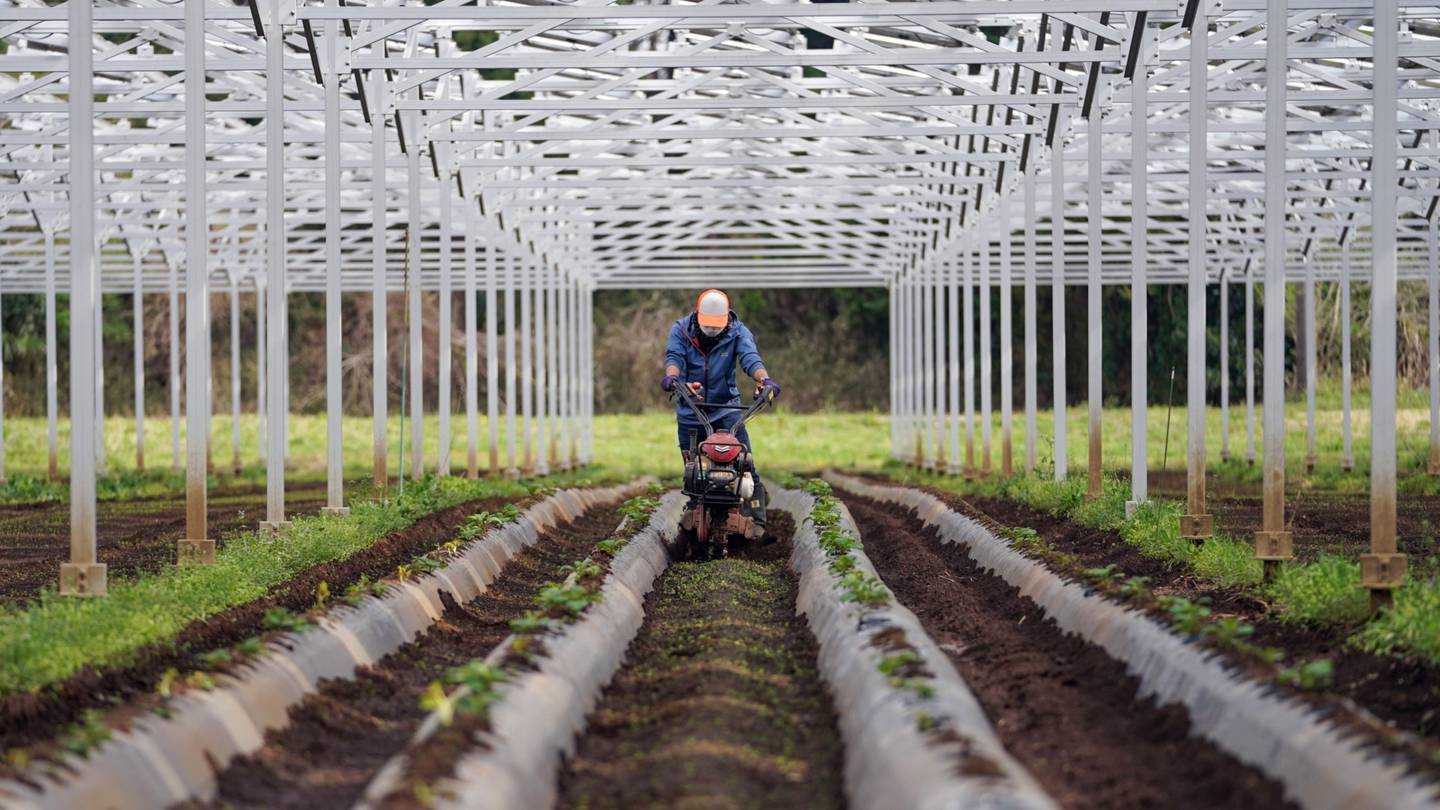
x=702, y=352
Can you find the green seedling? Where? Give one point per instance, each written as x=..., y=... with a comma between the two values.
x=85, y=736
x=530, y=623
x=216, y=658
x=250, y=647
x=611, y=546
x=1229, y=631
x=638, y=509
x=568, y=600
x=818, y=487
x=842, y=565
x=166, y=686
x=584, y=569
x=892, y=664
x=1310, y=676
x=426, y=565
x=1104, y=576
x=322, y=595
x=404, y=572
x=863, y=589
x=1137, y=588
x=200, y=680
x=451, y=548
x=1186, y=616
x=280, y=619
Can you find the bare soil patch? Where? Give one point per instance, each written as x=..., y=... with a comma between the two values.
x=1063, y=707
x=340, y=736
x=1401, y=696
x=720, y=703
x=132, y=537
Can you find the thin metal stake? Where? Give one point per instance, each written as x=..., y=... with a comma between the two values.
x=1169, y=402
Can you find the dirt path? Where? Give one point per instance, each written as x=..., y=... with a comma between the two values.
x=133, y=537
x=340, y=736
x=1063, y=707
x=719, y=703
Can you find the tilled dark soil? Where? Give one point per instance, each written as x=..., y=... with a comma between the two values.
x=720, y=703
x=27, y=719
x=340, y=736
x=1321, y=522
x=132, y=537
x=1063, y=707
x=1404, y=693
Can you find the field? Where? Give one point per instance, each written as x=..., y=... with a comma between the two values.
x=721, y=686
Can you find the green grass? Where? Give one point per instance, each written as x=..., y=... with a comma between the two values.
x=54, y=637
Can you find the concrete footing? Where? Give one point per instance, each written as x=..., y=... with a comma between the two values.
x=195, y=552
x=83, y=579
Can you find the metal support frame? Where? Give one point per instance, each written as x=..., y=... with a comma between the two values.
x=1139, y=281
x=1383, y=569
x=277, y=405
x=1195, y=524
x=1094, y=365
x=1273, y=541
x=196, y=547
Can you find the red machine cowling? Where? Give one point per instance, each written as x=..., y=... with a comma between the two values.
x=721, y=447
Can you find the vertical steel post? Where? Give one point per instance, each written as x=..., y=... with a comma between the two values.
x=1273, y=543
x=1347, y=461
x=1224, y=365
x=1250, y=362
x=52, y=372
x=84, y=575
x=175, y=378
x=260, y=420
x=968, y=324
x=1032, y=364
x=334, y=439
x=527, y=363
x=1432, y=256
x=1310, y=363
x=927, y=367
x=492, y=359
x=415, y=269
x=137, y=314
x=1057, y=300
x=1196, y=525
x=472, y=358
x=445, y=330
x=101, y=462
x=893, y=369
x=952, y=416
x=1139, y=282
x=1094, y=366
x=379, y=286
x=512, y=279
x=196, y=547
x=935, y=424
x=1007, y=339
x=276, y=304
x=986, y=361
x=235, y=374
x=1383, y=569
x=587, y=360
x=544, y=391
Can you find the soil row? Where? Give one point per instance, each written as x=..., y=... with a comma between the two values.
x=33, y=720
x=132, y=538
x=340, y=736
x=720, y=703
x=1403, y=693
x=1063, y=707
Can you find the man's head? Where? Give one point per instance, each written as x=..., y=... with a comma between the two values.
x=712, y=312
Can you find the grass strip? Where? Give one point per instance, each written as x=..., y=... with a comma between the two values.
x=1324, y=592
x=53, y=638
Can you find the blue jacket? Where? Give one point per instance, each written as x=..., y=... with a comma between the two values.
x=717, y=369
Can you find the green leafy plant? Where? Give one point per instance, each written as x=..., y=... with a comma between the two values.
x=530, y=623
x=88, y=734
x=569, y=600
x=250, y=647
x=863, y=589
x=1310, y=676
x=1104, y=576
x=1229, y=631
x=322, y=595
x=216, y=659
x=583, y=569
x=280, y=619
x=895, y=663
x=1186, y=616
x=1137, y=588
x=404, y=572
x=639, y=509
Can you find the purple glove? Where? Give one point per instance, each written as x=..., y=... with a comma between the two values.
x=770, y=387
x=667, y=383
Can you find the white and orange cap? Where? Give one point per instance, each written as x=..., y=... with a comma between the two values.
x=712, y=309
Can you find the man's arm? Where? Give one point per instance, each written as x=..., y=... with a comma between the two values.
x=749, y=355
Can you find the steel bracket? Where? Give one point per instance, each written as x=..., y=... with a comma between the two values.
x=1382, y=571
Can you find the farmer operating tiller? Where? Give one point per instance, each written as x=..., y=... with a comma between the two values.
x=727, y=500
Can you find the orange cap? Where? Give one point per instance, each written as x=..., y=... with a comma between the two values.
x=712, y=308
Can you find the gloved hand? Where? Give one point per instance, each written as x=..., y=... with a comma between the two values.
x=667, y=383
x=768, y=387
